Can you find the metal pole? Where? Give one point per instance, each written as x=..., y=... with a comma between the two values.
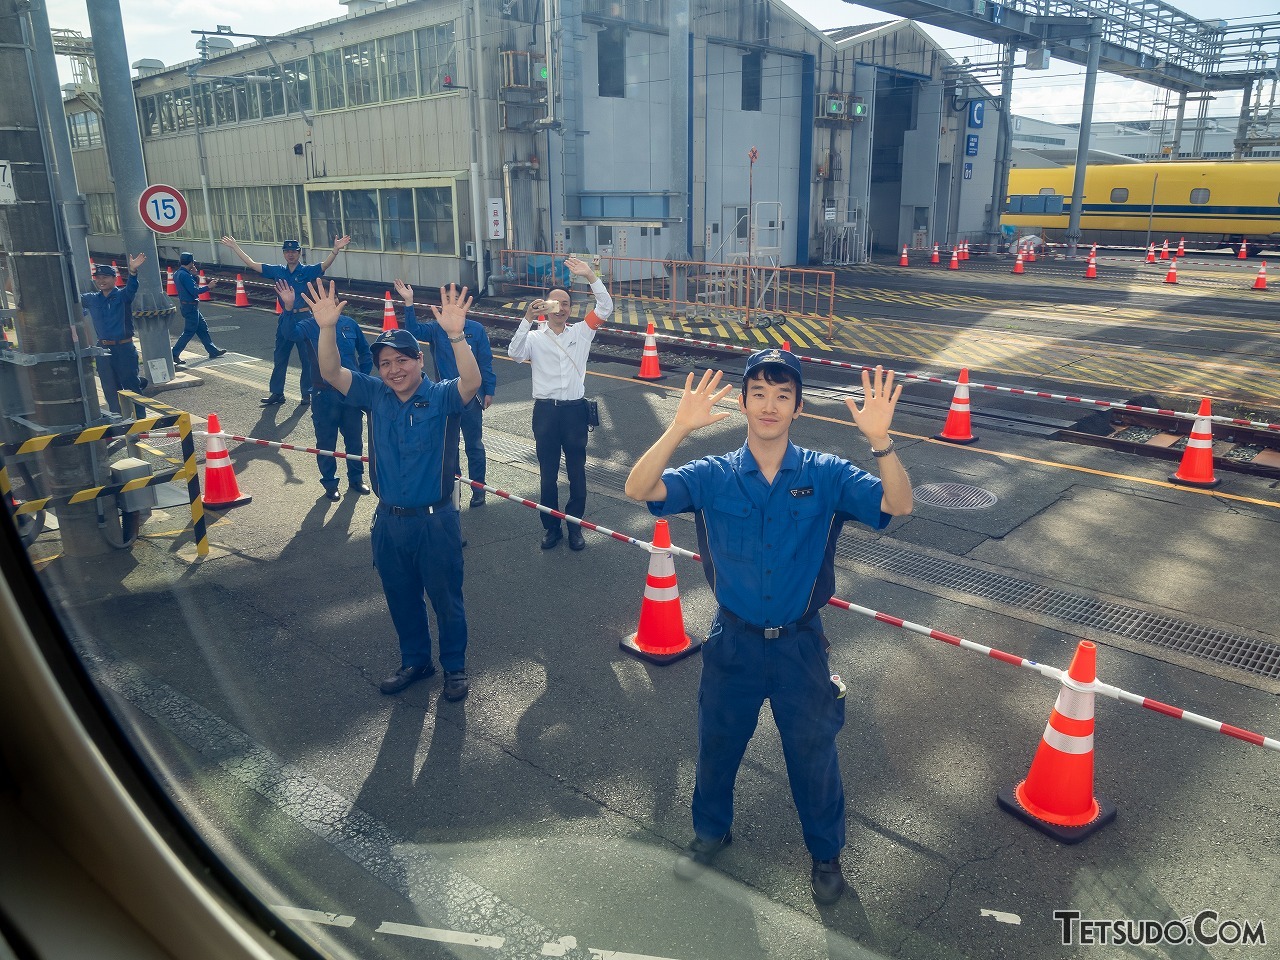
x=204, y=173
x=752, y=155
x=1151, y=213
x=1082, y=147
x=481, y=81
x=478, y=218
x=151, y=308
x=1004, y=152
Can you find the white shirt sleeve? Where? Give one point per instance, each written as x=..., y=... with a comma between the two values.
x=604, y=302
x=518, y=348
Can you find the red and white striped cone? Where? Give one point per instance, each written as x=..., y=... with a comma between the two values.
x=660, y=637
x=203, y=294
x=242, y=295
x=935, y=258
x=1260, y=281
x=1031, y=252
x=957, y=428
x=649, y=367
x=389, y=321
x=170, y=288
x=119, y=275
x=1017, y=264
x=221, y=492
x=902, y=260
x=1196, y=468
x=955, y=259
x=1091, y=268
x=1182, y=248
x=1093, y=251
x=1151, y=253
x=1057, y=795
x=1164, y=251
x=964, y=250
x=1172, y=275
x=1242, y=255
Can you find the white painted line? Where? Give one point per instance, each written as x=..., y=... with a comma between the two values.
x=440, y=936
x=598, y=954
x=1001, y=916
x=312, y=916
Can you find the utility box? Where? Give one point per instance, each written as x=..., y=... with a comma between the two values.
x=131, y=468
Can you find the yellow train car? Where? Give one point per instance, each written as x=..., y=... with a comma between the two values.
x=1210, y=203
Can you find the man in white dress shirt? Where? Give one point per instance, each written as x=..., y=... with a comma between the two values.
x=558, y=354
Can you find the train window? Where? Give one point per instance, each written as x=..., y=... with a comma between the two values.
x=1047, y=191
x=1200, y=195
x=1119, y=194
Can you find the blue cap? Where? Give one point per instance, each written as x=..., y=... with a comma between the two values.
x=102, y=270
x=401, y=340
x=291, y=245
x=185, y=258
x=776, y=357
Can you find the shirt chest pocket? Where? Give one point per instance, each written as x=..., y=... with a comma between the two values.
x=809, y=520
x=738, y=526
x=419, y=429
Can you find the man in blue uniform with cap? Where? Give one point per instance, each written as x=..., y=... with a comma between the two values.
x=329, y=414
x=768, y=517
x=298, y=275
x=186, y=279
x=417, y=538
x=109, y=309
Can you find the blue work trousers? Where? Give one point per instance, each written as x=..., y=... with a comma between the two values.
x=420, y=557
x=472, y=422
x=119, y=371
x=740, y=670
x=193, y=326
x=330, y=415
x=280, y=364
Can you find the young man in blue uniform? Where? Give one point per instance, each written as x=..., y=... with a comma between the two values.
x=417, y=539
x=768, y=517
x=329, y=414
x=109, y=309
x=186, y=279
x=298, y=275
x=472, y=420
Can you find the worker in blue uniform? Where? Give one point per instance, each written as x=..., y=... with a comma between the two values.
x=109, y=309
x=299, y=275
x=417, y=538
x=768, y=516
x=472, y=419
x=329, y=414
x=186, y=279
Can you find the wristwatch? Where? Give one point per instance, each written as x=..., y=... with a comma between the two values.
x=458, y=339
x=885, y=452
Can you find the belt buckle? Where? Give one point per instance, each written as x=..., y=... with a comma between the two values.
x=772, y=633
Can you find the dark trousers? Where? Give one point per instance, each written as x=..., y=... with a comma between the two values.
x=119, y=371
x=472, y=422
x=556, y=428
x=740, y=670
x=193, y=326
x=280, y=364
x=330, y=415
x=421, y=556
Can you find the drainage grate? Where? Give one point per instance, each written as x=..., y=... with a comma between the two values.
x=954, y=496
x=1258, y=657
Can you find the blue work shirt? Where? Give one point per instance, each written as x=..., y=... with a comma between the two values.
x=353, y=348
x=112, y=319
x=189, y=287
x=768, y=550
x=442, y=349
x=298, y=277
x=407, y=439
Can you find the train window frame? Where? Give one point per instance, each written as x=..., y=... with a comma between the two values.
x=1119, y=194
x=1199, y=196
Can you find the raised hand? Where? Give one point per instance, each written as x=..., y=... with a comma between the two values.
x=580, y=268
x=698, y=404
x=325, y=306
x=230, y=243
x=452, y=312
x=405, y=291
x=340, y=243
x=136, y=262
x=879, y=400
x=286, y=293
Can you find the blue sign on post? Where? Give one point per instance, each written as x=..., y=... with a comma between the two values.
x=997, y=13
x=968, y=171
x=977, y=109
x=971, y=145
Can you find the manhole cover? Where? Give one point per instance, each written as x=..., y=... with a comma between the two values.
x=954, y=496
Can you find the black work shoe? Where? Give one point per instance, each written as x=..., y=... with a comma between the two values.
x=698, y=856
x=217, y=352
x=827, y=880
x=455, y=685
x=304, y=402
x=405, y=676
x=272, y=400
x=331, y=493
x=576, y=541
x=477, y=498
x=550, y=538
x=179, y=362
x=361, y=488
x=143, y=383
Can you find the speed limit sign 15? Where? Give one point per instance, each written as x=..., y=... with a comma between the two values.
x=163, y=209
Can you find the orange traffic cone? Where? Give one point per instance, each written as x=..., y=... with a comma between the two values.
x=660, y=638
x=955, y=259
x=203, y=294
x=119, y=275
x=242, y=296
x=964, y=250
x=279, y=306
x=170, y=288
x=1017, y=264
x=1091, y=270
x=1242, y=255
x=1164, y=251
x=1260, y=281
x=221, y=492
x=957, y=429
x=935, y=258
x=1182, y=248
x=1057, y=795
x=649, y=368
x=1093, y=251
x=389, y=321
x=1151, y=253
x=1196, y=468
x=1031, y=253
x=902, y=260
x=1172, y=275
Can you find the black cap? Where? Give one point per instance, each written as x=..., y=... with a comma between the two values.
x=185, y=258
x=401, y=340
x=102, y=270
x=291, y=245
x=776, y=357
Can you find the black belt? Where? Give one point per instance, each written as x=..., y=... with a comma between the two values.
x=769, y=633
x=560, y=403
x=420, y=511
x=102, y=341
